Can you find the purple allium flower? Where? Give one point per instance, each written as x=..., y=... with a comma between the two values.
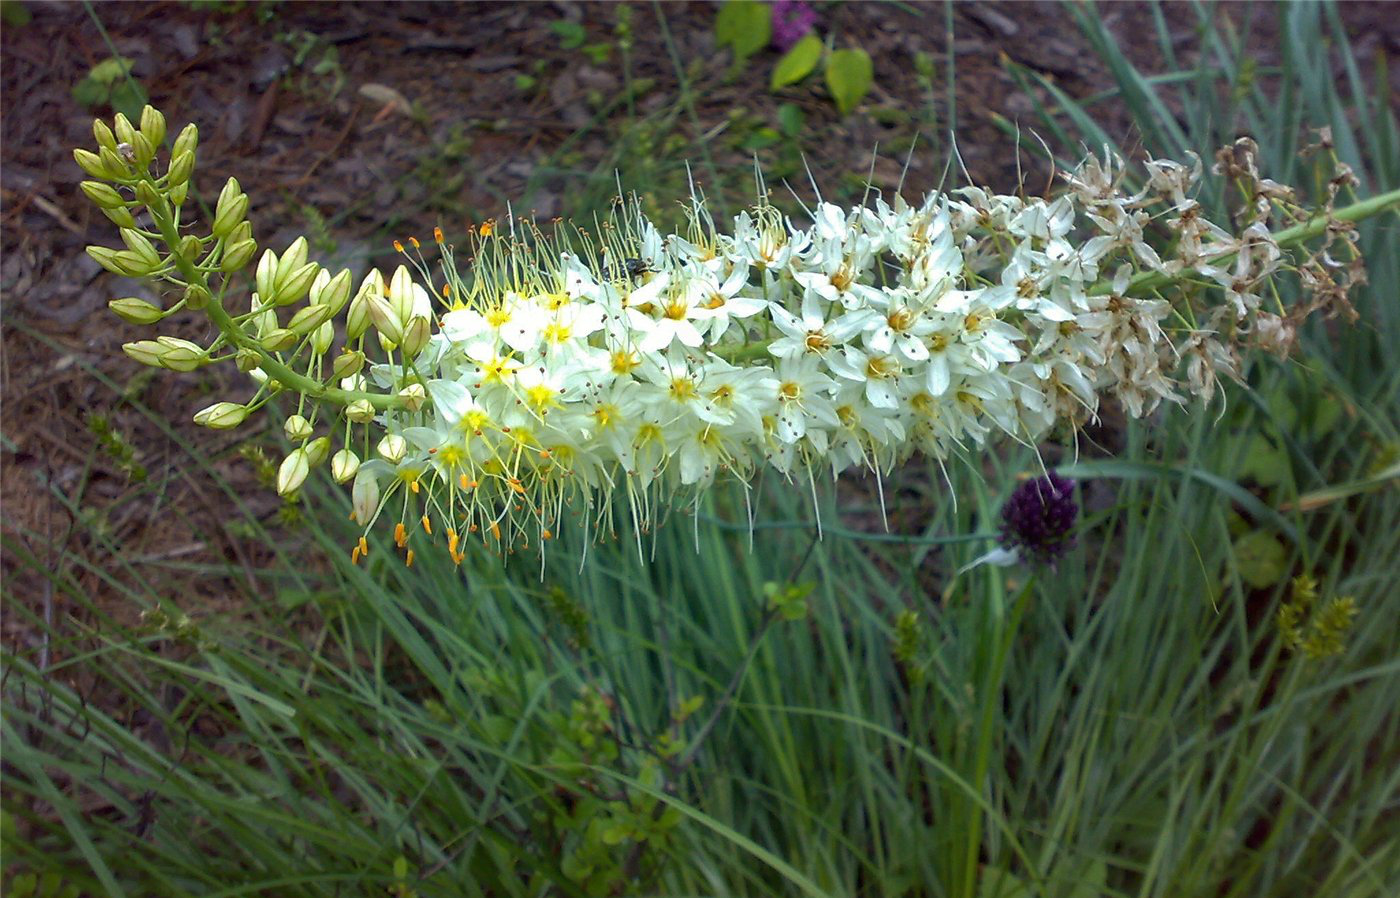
x=792, y=19
x=1036, y=521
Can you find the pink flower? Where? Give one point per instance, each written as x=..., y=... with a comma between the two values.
x=792, y=19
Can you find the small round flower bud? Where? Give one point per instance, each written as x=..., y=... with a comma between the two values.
x=344, y=464
x=153, y=125
x=152, y=198
x=179, y=193
x=136, y=311
x=196, y=297
x=348, y=363
x=317, y=450
x=237, y=256
x=186, y=141
x=292, y=474
x=181, y=167
x=190, y=248
x=278, y=339
x=360, y=411
x=392, y=448
x=297, y=428
x=413, y=396
x=103, y=195
x=221, y=416
x=247, y=360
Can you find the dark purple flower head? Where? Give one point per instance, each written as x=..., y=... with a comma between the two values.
x=791, y=20
x=1038, y=519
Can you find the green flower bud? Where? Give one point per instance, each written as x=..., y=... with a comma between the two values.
x=181, y=355
x=360, y=411
x=103, y=135
x=153, y=125
x=186, y=141
x=297, y=428
x=237, y=256
x=344, y=465
x=143, y=149
x=247, y=360
x=357, y=321
x=92, y=163
x=279, y=339
x=181, y=167
x=221, y=416
x=266, y=277
x=293, y=287
x=293, y=259
x=401, y=290
x=113, y=163
x=196, y=297
x=415, y=336
x=132, y=264
x=190, y=248
x=317, y=450
x=103, y=195
x=120, y=217
x=138, y=244
x=364, y=496
x=347, y=364
x=147, y=352
x=334, y=292
x=230, y=214
x=125, y=133
x=178, y=193
x=322, y=338
x=136, y=311
x=308, y=319
x=385, y=321
x=413, y=396
x=107, y=258
x=392, y=448
x=292, y=473
x=243, y=232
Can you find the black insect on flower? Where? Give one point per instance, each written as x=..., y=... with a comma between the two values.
x=1038, y=519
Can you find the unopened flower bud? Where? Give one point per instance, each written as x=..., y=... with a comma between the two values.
x=294, y=286
x=292, y=474
x=266, y=277
x=413, y=397
x=237, y=256
x=107, y=258
x=348, y=363
x=147, y=352
x=385, y=321
x=94, y=164
x=137, y=243
x=357, y=321
x=121, y=217
x=136, y=311
x=317, y=450
x=308, y=319
x=152, y=199
x=360, y=411
x=333, y=291
x=297, y=428
x=190, y=248
x=125, y=133
x=344, y=464
x=415, y=336
x=178, y=193
x=364, y=496
x=230, y=214
x=143, y=150
x=392, y=448
x=196, y=297
x=291, y=260
x=181, y=355
x=355, y=383
x=186, y=141
x=103, y=195
x=278, y=339
x=221, y=416
x=153, y=125
x=243, y=232
x=322, y=337
x=247, y=360
x=401, y=293
x=181, y=167
x=103, y=135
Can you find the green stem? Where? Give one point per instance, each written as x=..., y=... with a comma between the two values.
x=284, y=375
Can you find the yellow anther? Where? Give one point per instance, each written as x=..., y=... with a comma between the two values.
x=414, y=241
x=427, y=525
x=437, y=234
x=398, y=246
x=400, y=535
x=364, y=546
x=355, y=555
x=408, y=559
x=496, y=531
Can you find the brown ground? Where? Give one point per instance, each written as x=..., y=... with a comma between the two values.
x=321, y=146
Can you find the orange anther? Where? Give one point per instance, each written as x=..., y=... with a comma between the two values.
x=546, y=534
x=413, y=485
x=400, y=535
x=408, y=559
x=427, y=525
x=364, y=546
x=496, y=531
x=398, y=246
x=437, y=234
x=414, y=241
x=355, y=555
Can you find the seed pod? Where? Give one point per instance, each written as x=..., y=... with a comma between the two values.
x=136, y=311
x=221, y=416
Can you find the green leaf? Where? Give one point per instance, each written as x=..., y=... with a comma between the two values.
x=571, y=34
x=849, y=74
x=111, y=70
x=745, y=26
x=797, y=63
x=761, y=139
x=90, y=93
x=791, y=120
x=1266, y=463
x=1000, y=884
x=128, y=98
x=15, y=13
x=1260, y=559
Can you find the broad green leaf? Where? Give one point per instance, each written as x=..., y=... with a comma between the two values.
x=88, y=92
x=111, y=69
x=1266, y=462
x=849, y=74
x=571, y=34
x=745, y=26
x=791, y=120
x=15, y=13
x=128, y=98
x=797, y=63
x=1260, y=559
